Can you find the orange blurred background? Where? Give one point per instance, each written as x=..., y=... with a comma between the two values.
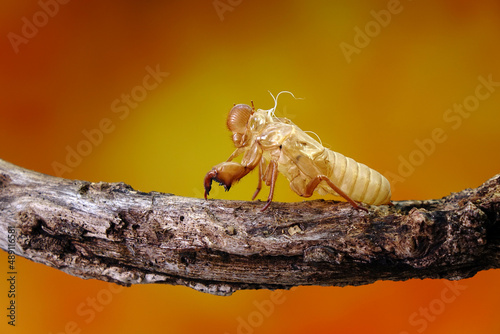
x=377, y=78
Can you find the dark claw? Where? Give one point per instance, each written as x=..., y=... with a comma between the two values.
x=212, y=176
x=208, y=181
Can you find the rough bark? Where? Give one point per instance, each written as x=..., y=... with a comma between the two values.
x=111, y=232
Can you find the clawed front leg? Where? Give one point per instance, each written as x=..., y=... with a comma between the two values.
x=226, y=174
x=229, y=172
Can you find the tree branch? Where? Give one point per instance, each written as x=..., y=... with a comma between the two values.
x=111, y=232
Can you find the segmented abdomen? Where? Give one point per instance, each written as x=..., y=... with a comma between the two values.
x=358, y=181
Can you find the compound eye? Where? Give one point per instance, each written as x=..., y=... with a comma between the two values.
x=238, y=118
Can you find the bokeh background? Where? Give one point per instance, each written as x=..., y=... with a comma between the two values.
x=372, y=103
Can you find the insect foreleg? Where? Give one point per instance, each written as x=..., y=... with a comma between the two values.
x=228, y=173
x=311, y=186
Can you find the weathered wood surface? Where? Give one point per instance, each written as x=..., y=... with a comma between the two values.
x=111, y=232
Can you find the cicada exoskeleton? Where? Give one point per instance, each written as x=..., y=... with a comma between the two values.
x=276, y=145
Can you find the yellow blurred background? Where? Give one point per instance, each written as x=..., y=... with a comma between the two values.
x=378, y=80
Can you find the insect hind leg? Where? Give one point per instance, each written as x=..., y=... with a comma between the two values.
x=311, y=186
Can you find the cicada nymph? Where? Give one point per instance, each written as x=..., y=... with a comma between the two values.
x=276, y=145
